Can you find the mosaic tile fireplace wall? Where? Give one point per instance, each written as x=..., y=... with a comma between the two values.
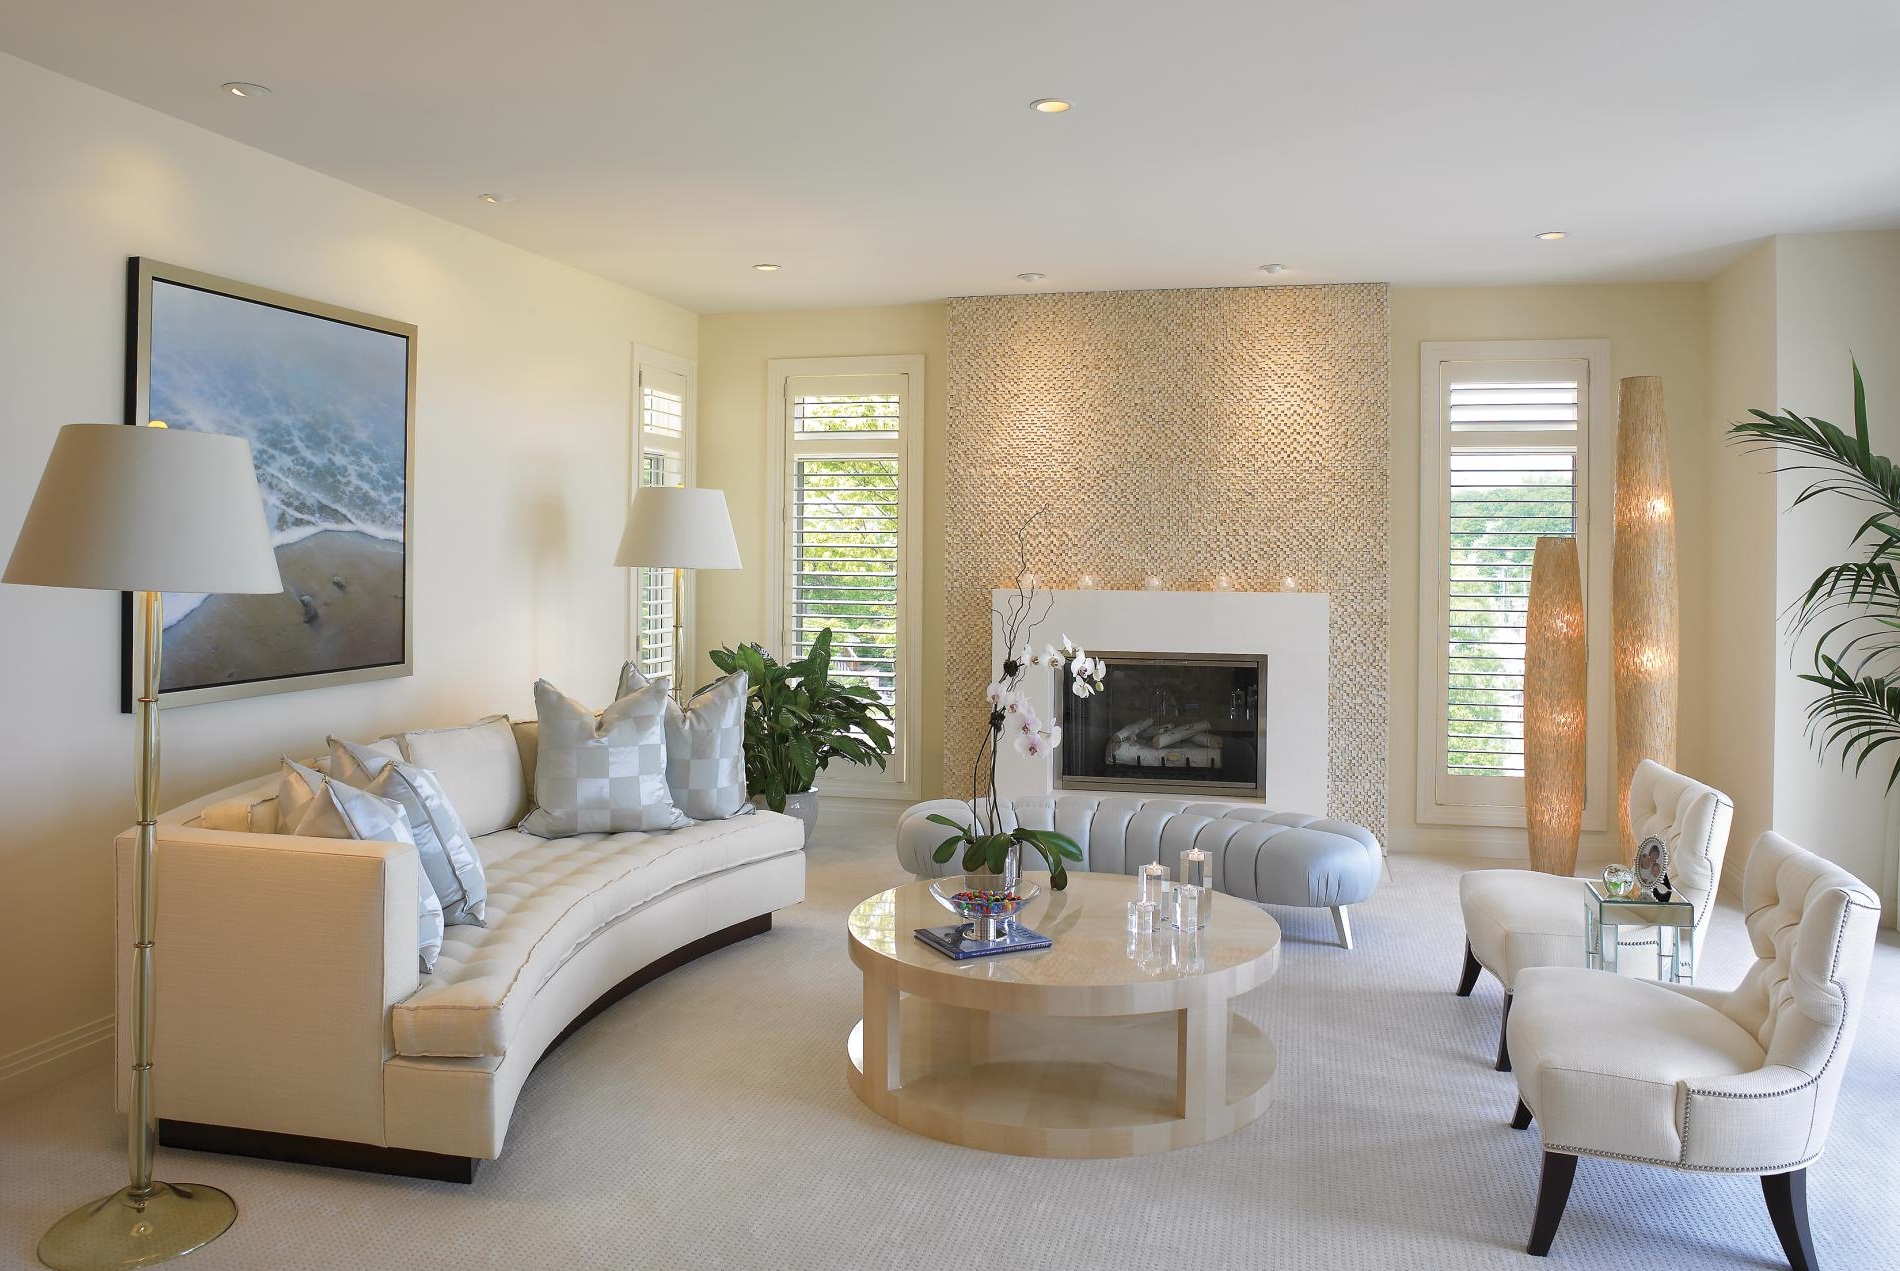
x=1180, y=434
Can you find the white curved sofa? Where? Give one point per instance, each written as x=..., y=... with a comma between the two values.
x=293, y=1022
x=1275, y=858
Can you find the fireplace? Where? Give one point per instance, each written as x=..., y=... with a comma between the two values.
x=1177, y=723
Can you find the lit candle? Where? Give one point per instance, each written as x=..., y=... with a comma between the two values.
x=1088, y=582
x=1197, y=872
x=1153, y=582
x=1151, y=881
x=1289, y=583
x=1223, y=583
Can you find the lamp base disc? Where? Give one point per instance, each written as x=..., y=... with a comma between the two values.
x=127, y=1230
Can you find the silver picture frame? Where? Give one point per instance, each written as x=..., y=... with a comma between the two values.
x=143, y=276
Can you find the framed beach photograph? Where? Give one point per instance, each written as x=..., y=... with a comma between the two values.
x=326, y=396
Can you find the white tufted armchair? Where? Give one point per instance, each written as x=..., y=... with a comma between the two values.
x=1520, y=918
x=1689, y=1078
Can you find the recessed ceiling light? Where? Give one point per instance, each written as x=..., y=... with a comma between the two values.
x=1049, y=105
x=1032, y=276
x=1275, y=268
x=1552, y=235
x=767, y=269
x=238, y=88
x=498, y=198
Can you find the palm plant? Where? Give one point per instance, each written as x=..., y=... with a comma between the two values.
x=1855, y=605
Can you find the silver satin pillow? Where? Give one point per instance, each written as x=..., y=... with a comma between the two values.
x=448, y=854
x=343, y=812
x=601, y=777
x=705, y=745
x=297, y=787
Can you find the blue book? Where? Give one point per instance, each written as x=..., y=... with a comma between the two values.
x=953, y=943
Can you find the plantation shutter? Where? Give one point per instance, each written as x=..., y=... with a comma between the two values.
x=662, y=439
x=844, y=506
x=1512, y=473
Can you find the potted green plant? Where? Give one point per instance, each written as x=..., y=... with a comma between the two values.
x=798, y=719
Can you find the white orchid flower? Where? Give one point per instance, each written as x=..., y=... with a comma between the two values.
x=997, y=694
x=1031, y=744
x=1026, y=721
x=1053, y=734
x=1083, y=666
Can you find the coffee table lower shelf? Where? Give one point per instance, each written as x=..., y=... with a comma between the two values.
x=1062, y=1086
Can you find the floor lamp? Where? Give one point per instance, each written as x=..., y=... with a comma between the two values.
x=678, y=528
x=146, y=510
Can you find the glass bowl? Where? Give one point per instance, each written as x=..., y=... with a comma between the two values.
x=985, y=901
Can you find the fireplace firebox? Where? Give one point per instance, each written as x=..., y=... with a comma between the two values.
x=1175, y=723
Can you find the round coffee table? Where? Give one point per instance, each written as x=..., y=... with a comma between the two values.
x=1102, y=1045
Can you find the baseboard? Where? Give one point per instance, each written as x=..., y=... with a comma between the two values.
x=1502, y=844
x=854, y=811
x=38, y=1066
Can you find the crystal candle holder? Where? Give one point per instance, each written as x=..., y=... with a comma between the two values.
x=1143, y=917
x=1151, y=882
x=1188, y=913
x=1197, y=871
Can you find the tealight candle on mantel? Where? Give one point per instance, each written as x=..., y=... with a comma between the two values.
x=1289, y=583
x=1088, y=582
x=1222, y=582
x=1153, y=583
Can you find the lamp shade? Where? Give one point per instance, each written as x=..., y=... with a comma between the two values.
x=146, y=509
x=672, y=527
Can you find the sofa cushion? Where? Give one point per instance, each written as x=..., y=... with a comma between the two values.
x=448, y=855
x=1521, y=918
x=479, y=766
x=705, y=745
x=601, y=774
x=547, y=898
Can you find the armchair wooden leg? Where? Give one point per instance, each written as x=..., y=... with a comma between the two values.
x=1504, y=1040
x=1521, y=1119
x=1787, y=1197
x=1553, y=1193
x=1468, y=978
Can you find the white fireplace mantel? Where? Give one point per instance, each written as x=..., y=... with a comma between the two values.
x=1291, y=628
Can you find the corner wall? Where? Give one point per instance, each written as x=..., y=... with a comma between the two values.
x=523, y=421
x=1653, y=329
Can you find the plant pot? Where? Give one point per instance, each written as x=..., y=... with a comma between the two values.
x=804, y=806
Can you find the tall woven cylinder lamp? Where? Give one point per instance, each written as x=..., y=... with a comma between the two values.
x=1644, y=621
x=1555, y=725
x=145, y=510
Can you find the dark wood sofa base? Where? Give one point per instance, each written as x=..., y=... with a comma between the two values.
x=407, y=1162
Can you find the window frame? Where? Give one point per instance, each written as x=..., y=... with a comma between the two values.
x=1499, y=801
x=645, y=358
x=898, y=780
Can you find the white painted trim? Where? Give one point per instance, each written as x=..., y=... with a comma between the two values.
x=33, y=1068
x=899, y=781
x=1597, y=488
x=684, y=367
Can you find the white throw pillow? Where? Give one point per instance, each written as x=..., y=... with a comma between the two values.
x=448, y=855
x=338, y=811
x=705, y=746
x=605, y=776
x=479, y=766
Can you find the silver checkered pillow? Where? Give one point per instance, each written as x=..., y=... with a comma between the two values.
x=338, y=811
x=605, y=777
x=705, y=746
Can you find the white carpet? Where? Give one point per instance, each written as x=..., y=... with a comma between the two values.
x=705, y=1122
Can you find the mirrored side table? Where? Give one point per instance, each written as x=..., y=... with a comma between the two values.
x=1674, y=921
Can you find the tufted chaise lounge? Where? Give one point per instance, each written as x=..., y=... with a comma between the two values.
x=1275, y=858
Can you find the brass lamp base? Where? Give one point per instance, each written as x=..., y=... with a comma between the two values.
x=127, y=1229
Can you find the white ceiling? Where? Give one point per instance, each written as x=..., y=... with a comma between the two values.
x=883, y=150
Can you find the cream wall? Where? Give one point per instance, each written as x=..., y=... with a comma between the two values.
x=522, y=431
x=1834, y=294
x=1653, y=329
x=1740, y=666
x=732, y=455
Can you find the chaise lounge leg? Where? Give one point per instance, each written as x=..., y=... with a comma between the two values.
x=1553, y=1193
x=1521, y=1119
x=1342, y=926
x=1468, y=978
x=1787, y=1197
x=1504, y=1037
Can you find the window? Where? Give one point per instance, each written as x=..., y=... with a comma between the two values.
x=1507, y=457
x=663, y=439
x=846, y=440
